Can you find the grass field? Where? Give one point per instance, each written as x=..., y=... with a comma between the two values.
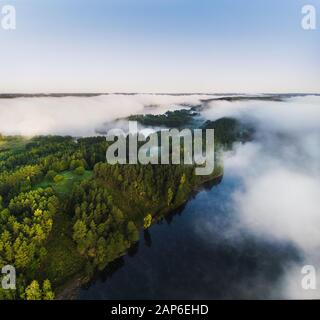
x=64, y=187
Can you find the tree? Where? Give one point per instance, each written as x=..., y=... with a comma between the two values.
x=33, y=291
x=51, y=174
x=79, y=171
x=170, y=196
x=79, y=234
x=147, y=221
x=58, y=178
x=183, y=179
x=101, y=253
x=47, y=291
x=133, y=233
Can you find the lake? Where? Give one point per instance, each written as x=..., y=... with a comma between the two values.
x=197, y=253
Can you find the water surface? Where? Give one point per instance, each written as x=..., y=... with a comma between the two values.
x=197, y=253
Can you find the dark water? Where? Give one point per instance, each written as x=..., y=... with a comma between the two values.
x=198, y=253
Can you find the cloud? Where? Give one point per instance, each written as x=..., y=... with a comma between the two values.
x=279, y=202
x=80, y=115
x=279, y=195
x=294, y=115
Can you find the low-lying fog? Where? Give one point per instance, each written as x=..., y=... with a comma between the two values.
x=280, y=173
x=81, y=116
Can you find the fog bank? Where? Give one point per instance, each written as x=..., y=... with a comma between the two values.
x=81, y=116
x=280, y=175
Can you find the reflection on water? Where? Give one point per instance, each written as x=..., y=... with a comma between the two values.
x=196, y=254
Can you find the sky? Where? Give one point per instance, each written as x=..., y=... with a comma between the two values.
x=171, y=46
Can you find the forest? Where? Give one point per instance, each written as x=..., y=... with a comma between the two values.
x=170, y=119
x=65, y=212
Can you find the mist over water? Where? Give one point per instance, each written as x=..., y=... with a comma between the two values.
x=279, y=173
x=81, y=116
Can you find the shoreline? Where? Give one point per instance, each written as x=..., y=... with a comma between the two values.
x=70, y=290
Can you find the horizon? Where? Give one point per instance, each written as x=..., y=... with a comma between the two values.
x=88, y=93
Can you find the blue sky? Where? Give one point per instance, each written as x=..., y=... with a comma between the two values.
x=159, y=46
